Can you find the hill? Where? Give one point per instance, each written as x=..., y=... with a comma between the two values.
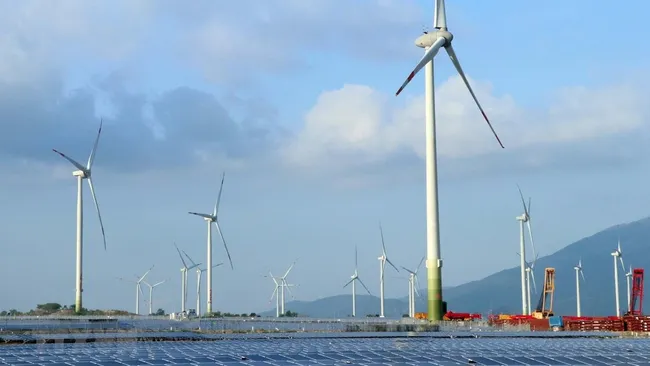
x=500, y=292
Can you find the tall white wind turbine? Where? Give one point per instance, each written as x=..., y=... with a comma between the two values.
x=83, y=173
x=184, y=270
x=213, y=218
x=432, y=42
x=151, y=287
x=414, y=285
x=524, y=219
x=579, y=273
x=355, y=277
x=382, y=264
x=618, y=255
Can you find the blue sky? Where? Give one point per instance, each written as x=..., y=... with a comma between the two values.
x=295, y=101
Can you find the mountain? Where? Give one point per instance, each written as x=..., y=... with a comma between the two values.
x=501, y=291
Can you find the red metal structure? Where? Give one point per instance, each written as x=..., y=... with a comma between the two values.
x=636, y=298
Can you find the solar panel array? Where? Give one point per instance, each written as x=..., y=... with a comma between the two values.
x=338, y=351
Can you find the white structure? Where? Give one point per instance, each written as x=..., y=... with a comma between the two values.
x=618, y=255
x=413, y=287
x=151, y=287
x=138, y=289
x=199, y=272
x=525, y=280
x=354, y=278
x=213, y=218
x=279, y=290
x=83, y=173
x=184, y=270
x=579, y=273
x=382, y=264
x=530, y=278
x=432, y=42
x=628, y=277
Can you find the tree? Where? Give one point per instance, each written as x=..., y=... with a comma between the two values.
x=49, y=307
x=160, y=312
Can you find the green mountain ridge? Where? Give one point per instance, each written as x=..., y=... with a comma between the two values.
x=500, y=292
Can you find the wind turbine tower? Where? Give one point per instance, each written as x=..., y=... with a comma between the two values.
x=354, y=278
x=618, y=255
x=432, y=42
x=524, y=219
x=579, y=273
x=628, y=277
x=213, y=218
x=138, y=289
x=83, y=172
x=382, y=264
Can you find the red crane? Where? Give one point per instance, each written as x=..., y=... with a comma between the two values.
x=636, y=298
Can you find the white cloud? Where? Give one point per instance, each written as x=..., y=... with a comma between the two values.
x=360, y=125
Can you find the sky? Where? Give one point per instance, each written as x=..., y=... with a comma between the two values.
x=294, y=100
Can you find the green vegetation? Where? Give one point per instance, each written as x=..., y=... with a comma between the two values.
x=53, y=308
x=219, y=314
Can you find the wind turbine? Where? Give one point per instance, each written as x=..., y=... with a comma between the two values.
x=524, y=218
x=199, y=271
x=212, y=218
x=151, y=287
x=382, y=264
x=628, y=276
x=279, y=289
x=414, y=284
x=275, y=293
x=138, y=289
x=530, y=277
x=83, y=173
x=184, y=270
x=354, y=278
x=432, y=42
x=617, y=254
x=579, y=273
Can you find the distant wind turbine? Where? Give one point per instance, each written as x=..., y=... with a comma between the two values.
x=138, y=289
x=382, y=264
x=628, y=277
x=199, y=272
x=414, y=285
x=184, y=270
x=524, y=219
x=579, y=273
x=83, y=172
x=151, y=287
x=213, y=218
x=618, y=255
x=355, y=277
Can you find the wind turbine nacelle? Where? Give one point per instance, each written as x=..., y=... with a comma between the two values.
x=79, y=173
x=427, y=39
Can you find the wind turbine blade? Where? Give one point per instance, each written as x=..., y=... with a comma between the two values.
x=140, y=289
x=275, y=291
x=419, y=265
x=428, y=56
x=407, y=270
x=91, y=158
x=289, y=289
x=217, y=265
x=439, y=15
x=383, y=245
x=101, y=224
x=532, y=276
x=159, y=283
x=181, y=256
x=356, y=257
x=454, y=60
x=76, y=165
x=200, y=214
x=417, y=285
x=622, y=264
x=216, y=222
x=391, y=263
x=188, y=257
x=530, y=235
x=529, y=203
x=364, y=286
x=216, y=205
x=349, y=282
x=145, y=274
x=523, y=202
x=289, y=270
x=582, y=274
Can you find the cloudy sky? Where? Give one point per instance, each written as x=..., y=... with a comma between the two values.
x=294, y=99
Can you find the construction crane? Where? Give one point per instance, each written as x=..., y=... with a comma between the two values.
x=545, y=305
